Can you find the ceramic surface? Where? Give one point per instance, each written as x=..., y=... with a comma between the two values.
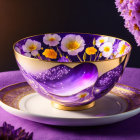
x=72, y=69
x=120, y=103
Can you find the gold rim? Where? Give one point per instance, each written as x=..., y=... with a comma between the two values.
x=72, y=62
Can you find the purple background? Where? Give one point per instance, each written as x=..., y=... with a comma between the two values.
x=125, y=130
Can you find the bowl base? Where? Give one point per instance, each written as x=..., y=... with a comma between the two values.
x=74, y=108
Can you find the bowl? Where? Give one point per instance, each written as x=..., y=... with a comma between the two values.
x=72, y=69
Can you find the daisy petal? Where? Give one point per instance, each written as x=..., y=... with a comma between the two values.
x=17, y=50
x=25, y=48
x=34, y=53
x=27, y=54
x=72, y=52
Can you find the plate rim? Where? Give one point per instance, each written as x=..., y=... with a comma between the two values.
x=4, y=106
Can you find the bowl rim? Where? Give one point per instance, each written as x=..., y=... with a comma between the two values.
x=72, y=33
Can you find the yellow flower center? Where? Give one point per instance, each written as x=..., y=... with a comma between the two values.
x=106, y=49
x=130, y=12
x=83, y=95
x=100, y=55
x=136, y=27
x=122, y=49
x=91, y=50
x=131, y=1
x=32, y=47
x=121, y=1
x=101, y=41
x=50, y=53
x=73, y=45
x=51, y=39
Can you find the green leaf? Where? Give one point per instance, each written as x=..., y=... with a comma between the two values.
x=84, y=56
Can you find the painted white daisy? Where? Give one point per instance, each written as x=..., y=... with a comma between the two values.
x=17, y=50
x=106, y=49
x=122, y=49
x=101, y=40
x=105, y=39
x=31, y=47
x=111, y=40
x=51, y=39
x=73, y=44
x=27, y=54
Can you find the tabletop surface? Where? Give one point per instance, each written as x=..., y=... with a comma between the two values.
x=125, y=130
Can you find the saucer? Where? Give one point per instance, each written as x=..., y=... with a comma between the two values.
x=120, y=103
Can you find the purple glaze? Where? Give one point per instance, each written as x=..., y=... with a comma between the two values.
x=66, y=85
x=64, y=81
x=107, y=81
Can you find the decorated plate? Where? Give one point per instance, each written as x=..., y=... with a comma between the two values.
x=21, y=100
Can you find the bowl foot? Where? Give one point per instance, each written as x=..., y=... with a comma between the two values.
x=74, y=108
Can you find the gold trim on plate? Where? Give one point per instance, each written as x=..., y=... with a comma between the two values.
x=118, y=84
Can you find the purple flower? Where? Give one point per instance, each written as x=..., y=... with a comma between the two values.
x=63, y=59
x=7, y=132
x=121, y=4
x=130, y=11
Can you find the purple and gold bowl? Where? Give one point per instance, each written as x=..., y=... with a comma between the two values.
x=72, y=69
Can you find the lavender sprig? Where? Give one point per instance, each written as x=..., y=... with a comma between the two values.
x=130, y=11
x=7, y=132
